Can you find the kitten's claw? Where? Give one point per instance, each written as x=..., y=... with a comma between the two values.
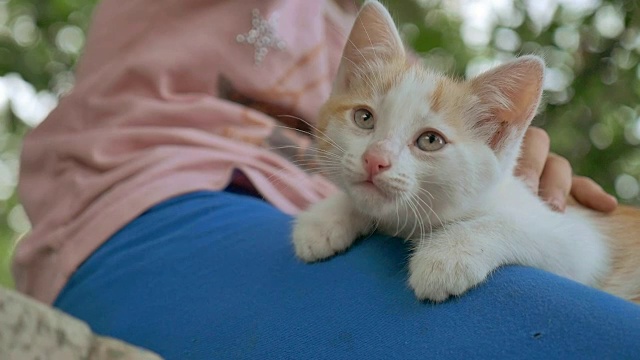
x=436, y=276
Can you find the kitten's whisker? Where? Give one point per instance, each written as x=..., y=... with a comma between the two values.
x=312, y=148
x=434, y=183
x=406, y=222
x=431, y=208
x=324, y=171
x=275, y=176
x=370, y=42
x=320, y=168
x=443, y=184
x=442, y=224
x=359, y=72
x=328, y=173
x=316, y=162
x=414, y=210
x=346, y=37
x=324, y=153
x=300, y=163
x=419, y=217
x=427, y=192
x=314, y=128
x=428, y=219
x=328, y=140
x=320, y=157
x=325, y=159
x=397, y=220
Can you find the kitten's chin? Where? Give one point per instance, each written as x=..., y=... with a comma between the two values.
x=370, y=199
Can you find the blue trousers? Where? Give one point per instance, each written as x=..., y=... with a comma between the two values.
x=212, y=275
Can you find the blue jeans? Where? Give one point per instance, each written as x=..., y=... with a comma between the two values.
x=212, y=275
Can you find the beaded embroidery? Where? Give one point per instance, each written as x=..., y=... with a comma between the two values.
x=262, y=36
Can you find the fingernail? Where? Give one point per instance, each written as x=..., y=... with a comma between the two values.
x=556, y=205
x=532, y=184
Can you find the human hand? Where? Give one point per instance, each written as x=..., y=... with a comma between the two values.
x=550, y=176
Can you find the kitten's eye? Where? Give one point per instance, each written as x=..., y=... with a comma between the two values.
x=431, y=141
x=363, y=119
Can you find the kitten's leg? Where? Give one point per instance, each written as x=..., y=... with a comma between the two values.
x=327, y=228
x=453, y=260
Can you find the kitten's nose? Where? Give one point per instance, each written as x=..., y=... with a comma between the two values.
x=375, y=163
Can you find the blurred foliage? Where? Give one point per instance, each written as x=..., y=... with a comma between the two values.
x=591, y=107
x=39, y=44
x=591, y=47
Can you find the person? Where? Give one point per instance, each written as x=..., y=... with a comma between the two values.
x=161, y=192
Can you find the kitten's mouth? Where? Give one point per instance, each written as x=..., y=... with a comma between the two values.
x=370, y=187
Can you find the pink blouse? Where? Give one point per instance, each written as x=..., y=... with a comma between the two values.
x=173, y=96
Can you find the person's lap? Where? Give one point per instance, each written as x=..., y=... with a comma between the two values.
x=213, y=275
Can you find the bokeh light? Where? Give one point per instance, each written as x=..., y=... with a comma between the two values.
x=70, y=39
x=24, y=30
x=627, y=186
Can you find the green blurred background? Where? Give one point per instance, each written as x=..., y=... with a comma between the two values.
x=592, y=49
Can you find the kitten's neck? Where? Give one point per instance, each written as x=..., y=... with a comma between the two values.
x=458, y=211
x=491, y=199
x=508, y=187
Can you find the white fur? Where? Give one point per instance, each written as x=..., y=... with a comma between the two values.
x=461, y=207
x=465, y=216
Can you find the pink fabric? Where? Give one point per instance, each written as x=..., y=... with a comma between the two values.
x=162, y=106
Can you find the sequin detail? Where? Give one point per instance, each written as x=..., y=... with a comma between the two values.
x=262, y=36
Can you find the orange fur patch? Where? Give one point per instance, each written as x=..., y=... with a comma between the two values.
x=436, y=98
x=370, y=83
x=623, y=230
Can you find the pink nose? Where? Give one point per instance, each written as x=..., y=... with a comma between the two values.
x=375, y=163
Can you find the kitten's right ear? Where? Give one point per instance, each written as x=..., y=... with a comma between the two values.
x=510, y=95
x=374, y=38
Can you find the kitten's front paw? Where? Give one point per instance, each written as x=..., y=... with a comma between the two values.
x=327, y=228
x=436, y=275
x=317, y=238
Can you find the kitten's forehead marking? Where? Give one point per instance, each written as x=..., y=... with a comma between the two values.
x=436, y=97
x=408, y=105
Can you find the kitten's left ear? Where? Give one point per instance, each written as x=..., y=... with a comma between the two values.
x=510, y=95
x=374, y=38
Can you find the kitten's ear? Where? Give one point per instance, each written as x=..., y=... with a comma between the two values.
x=510, y=95
x=374, y=38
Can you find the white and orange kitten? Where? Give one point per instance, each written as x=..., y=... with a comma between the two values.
x=431, y=159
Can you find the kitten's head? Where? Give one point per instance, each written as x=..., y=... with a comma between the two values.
x=405, y=141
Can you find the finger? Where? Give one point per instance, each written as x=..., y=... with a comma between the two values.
x=588, y=193
x=535, y=149
x=555, y=182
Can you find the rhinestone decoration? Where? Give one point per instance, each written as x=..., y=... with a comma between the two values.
x=262, y=36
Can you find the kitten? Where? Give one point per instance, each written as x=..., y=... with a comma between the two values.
x=431, y=159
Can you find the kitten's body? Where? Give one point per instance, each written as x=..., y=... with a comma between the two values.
x=621, y=233
x=431, y=159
